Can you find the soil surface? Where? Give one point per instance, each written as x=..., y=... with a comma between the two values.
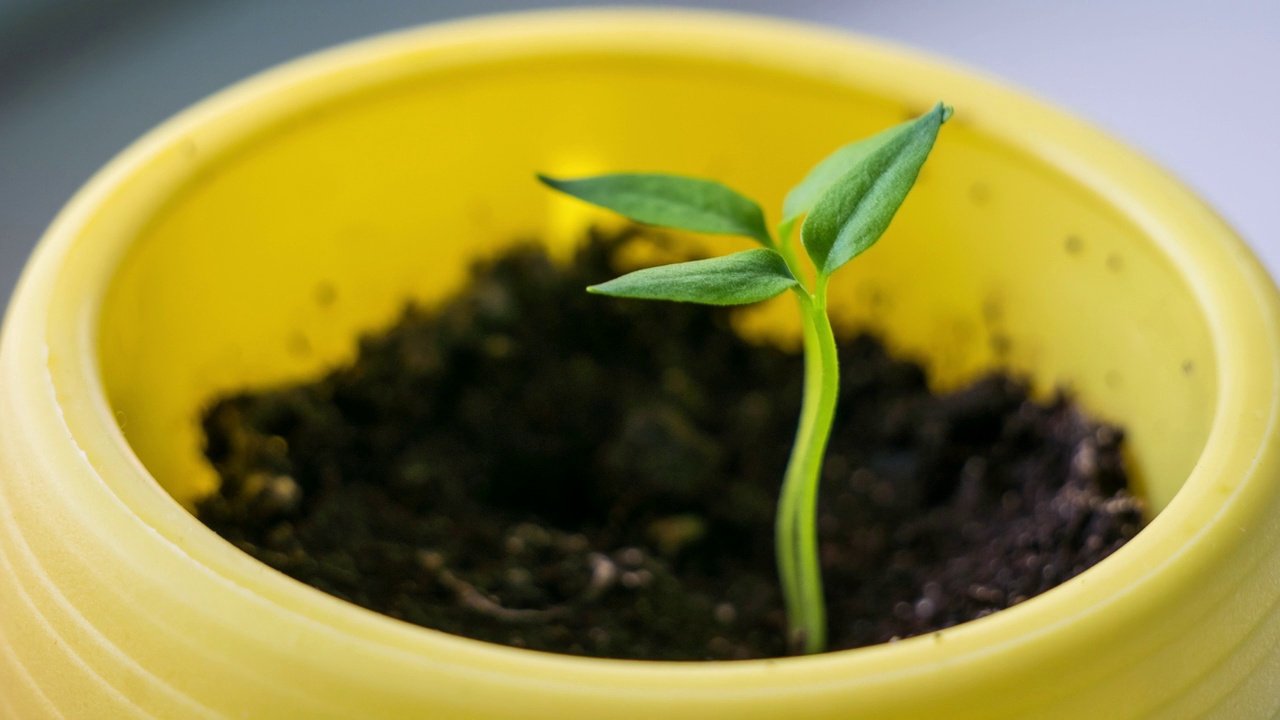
x=535, y=466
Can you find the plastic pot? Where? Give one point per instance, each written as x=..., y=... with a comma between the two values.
x=250, y=239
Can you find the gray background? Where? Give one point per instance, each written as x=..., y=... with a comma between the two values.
x=1195, y=85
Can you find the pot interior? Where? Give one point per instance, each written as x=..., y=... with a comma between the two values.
x=268, y=239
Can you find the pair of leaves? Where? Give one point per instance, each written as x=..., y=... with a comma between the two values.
x=848, y=201
x=694, y=204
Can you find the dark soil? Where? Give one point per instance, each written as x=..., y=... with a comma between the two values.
x=535, y=466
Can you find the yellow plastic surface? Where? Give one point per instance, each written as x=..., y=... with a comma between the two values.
x=251, y=239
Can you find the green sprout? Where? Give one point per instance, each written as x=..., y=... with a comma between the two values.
x=847, y=202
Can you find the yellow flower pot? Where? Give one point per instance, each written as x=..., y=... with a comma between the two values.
x=250, y=239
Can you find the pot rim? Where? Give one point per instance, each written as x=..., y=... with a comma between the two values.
x=1234, y=292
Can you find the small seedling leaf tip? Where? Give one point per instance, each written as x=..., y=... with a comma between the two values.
x=671, y=201
x=739, y=279
x=855, y=209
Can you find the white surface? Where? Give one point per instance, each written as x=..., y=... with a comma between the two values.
x=1193, y=84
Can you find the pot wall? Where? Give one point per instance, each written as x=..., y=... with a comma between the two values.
x=248, y=241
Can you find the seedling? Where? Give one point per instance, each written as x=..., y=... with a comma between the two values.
x=847, y=202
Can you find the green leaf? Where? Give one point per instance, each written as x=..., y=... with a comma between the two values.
x=671, y=201
x=856, y=208
x=738, y=279
x=803, y=196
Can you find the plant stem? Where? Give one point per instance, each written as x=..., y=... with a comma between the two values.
x=796, y=538
x=786, y=526
x=825, y=386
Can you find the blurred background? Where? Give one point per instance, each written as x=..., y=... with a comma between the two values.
x=1192, y=83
